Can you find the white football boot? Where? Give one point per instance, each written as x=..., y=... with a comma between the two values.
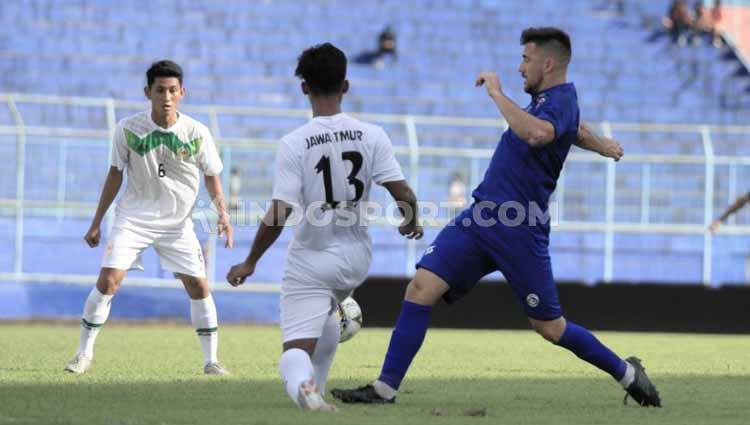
x=310, y=399
x=80, y=364
x=215, y=369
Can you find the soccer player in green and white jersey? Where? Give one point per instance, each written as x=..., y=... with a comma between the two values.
x=164, y=152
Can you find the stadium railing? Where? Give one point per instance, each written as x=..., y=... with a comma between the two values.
x=18, y=133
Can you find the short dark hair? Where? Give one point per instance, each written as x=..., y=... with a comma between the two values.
x=323, y=68
x=163, y=68
x=549, y=37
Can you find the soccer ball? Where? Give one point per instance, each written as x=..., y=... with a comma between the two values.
x=350, y=319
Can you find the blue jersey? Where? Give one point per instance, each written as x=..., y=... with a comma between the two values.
x=528, y=175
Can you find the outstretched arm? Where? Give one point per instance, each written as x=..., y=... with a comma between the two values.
x=109, y=192
x=534, y=131
x=738, y=203
x=268, y=231
x=604, y=146
x=407, y=204
x=224, y=225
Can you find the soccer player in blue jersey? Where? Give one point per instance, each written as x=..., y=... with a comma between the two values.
x=507, y=228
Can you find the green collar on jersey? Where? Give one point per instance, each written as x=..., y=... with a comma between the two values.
x=144, y=145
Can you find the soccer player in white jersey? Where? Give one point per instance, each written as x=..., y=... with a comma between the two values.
x=164, y=152
x=324, y=169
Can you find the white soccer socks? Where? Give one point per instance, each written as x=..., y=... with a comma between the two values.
x=325, y=350
x=297, y=372
x=205, y=322
x=384, y=390
x=629, y=376
x=95, y=314
x=295, y=368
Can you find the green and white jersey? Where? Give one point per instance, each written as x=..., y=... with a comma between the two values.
x=163, y=167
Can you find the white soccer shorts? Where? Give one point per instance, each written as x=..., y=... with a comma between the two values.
x=305, y=309
x=315, y=282
x=179, y=251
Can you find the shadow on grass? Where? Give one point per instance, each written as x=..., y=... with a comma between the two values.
x=204, y=401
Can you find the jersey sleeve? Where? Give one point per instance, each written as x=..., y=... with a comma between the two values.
x=385, y=166
x=208, y=157
x=557, y=111
x=119, y=153
x=287, y=179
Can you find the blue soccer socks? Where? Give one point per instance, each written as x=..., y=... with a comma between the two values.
x=584, y=344
x=406, y=340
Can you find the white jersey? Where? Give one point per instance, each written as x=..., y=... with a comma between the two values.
x=162, y=168
x=327, y=167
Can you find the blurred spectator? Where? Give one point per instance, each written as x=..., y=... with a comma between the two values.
x=619, y=6
x=612, y=6
x=716, y=11
x=715, y=20
x=685, y=26
x=386, y=48
x=678, y=22
x=235, y=186
x=703, y=25
x=457, y=191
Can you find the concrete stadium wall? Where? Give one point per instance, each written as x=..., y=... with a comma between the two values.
x=492, y=305
x=55, y=301
x=617, y=307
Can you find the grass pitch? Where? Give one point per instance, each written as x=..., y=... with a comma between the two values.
x=152, y=375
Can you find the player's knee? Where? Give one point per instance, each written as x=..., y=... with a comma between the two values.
x=199, y=293
x=414, y=288
x=201, y=289
x=551, y=330
x=307, y=344
x=547, y=334
x=196, y=288
x=419, y=292
x=108, y=284
x=426, y=288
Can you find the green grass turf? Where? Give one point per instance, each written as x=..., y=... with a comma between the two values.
x=151, y=375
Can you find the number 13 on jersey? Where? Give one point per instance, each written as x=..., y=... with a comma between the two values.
x=324, y=166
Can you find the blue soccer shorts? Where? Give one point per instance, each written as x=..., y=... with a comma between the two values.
x=465, y=251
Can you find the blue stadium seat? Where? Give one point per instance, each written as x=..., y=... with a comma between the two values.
x=217, y=33
x=242, y=53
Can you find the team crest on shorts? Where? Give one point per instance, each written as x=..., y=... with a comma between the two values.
x=532, y=300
